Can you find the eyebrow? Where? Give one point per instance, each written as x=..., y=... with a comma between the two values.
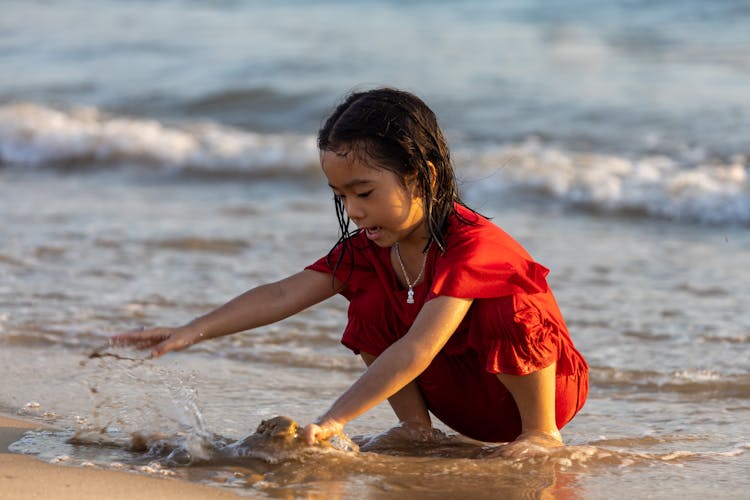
x=352, y=183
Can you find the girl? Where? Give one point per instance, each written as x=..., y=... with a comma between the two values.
x=450, y=314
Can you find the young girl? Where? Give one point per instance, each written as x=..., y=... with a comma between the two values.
x=450, y=314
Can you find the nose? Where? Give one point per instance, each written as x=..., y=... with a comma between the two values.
x=353, y=209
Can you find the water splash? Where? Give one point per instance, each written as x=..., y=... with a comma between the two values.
x=131, y=397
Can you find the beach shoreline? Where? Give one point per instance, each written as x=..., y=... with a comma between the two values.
x=25, y=477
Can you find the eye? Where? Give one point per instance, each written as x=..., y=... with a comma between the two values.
x=365, y=194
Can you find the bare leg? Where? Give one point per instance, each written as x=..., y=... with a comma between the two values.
x=534, y=395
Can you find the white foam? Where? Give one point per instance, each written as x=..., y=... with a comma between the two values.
x=31, y=134
x=652, y=185
x=697, y=376
x=691, y=188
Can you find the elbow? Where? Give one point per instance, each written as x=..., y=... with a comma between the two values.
x=276, y=291
x=416, y=358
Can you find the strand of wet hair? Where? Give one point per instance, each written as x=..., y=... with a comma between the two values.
x=344, y=242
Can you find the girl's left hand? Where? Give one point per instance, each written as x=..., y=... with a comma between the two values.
x=322, y=431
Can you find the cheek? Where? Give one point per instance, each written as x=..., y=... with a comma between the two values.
x=411, y=212
x=415, y=203
x=403, y=206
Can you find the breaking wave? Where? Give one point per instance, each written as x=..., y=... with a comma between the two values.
x=35, y=135
x=694, y=187
x=699, y=189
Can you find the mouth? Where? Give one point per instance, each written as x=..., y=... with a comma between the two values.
x=373, y=232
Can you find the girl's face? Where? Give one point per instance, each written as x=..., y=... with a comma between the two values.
x=375, y=199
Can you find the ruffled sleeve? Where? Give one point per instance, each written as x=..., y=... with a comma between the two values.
x=482, y=261
x=354, y=269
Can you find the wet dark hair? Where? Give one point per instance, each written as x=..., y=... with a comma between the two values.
x=400, y=133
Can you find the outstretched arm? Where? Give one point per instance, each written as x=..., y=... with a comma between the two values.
x=396, y=366
x=259, y=306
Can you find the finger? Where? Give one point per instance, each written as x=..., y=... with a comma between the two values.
x=131, y=336
x=311, y=432
x=138, y=343
x=162, y=348
x=122, y=338
x=171, y=342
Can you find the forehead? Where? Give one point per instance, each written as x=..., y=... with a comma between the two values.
x=350, y=169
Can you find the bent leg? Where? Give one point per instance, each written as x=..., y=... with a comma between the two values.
x=534, y=395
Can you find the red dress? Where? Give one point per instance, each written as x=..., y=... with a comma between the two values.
x=514, y=325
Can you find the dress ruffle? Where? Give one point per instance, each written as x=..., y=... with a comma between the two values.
x=354, y=269
x=514, y=336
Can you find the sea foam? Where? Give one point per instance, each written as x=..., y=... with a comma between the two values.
x=690, y=188
x=708, y=190
x=32, y=134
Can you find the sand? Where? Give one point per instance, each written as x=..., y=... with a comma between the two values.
x=25, y=477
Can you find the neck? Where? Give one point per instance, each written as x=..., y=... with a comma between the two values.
x=415, y=241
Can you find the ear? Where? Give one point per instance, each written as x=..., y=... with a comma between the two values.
x=433, y=175
x=412, y=184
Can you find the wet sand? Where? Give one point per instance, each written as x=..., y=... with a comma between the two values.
x=25, y=477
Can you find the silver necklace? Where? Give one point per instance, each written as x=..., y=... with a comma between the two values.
x=409, y=283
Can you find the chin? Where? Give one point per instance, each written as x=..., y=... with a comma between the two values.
x=383, y=244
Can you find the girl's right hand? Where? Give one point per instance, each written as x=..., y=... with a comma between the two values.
x=160, y=340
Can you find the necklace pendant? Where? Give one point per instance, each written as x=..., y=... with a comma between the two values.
x=410, y=296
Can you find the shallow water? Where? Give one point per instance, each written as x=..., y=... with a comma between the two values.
x=657, y=307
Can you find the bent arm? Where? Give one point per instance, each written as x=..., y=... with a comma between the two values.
x=259, y=306
x=408, y=403
x=398, y=365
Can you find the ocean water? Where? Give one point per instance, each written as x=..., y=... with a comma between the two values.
x=158, y=158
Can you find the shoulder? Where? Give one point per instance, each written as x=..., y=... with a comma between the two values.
x=482, y=261
x=471, y=235
x=355, y=250
x=348, y=258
